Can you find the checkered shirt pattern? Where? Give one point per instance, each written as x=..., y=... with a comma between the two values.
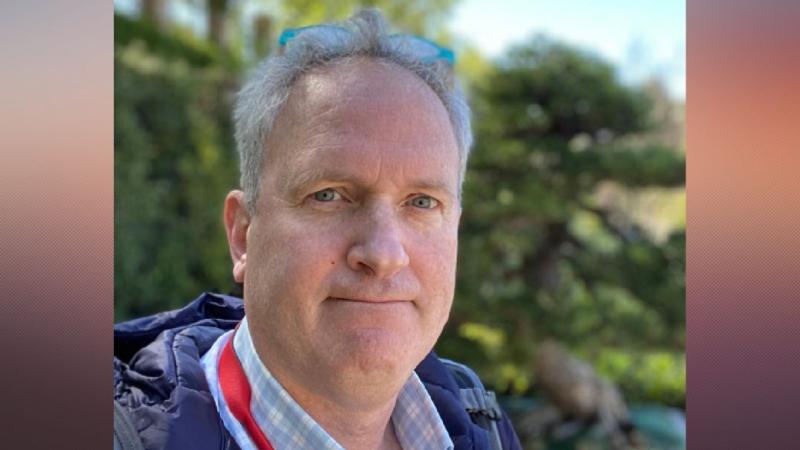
x=287, y=426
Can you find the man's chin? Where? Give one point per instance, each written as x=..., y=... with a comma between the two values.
x=374, y=352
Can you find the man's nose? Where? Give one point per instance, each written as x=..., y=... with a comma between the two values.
x=378, y=246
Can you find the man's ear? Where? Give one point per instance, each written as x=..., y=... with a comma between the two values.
x=237, y=222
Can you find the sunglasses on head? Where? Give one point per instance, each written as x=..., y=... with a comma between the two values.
x=423, y=49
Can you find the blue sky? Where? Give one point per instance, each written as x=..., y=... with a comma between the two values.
x=643, y=38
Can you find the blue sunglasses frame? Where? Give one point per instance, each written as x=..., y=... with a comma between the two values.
x=440, y=53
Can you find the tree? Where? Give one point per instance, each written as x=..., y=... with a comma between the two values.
x=154, y=11
x=217, y=11
x=538, y=247
x=174, y=160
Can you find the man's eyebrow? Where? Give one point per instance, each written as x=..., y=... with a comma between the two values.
x=299, y=179
x=434, y=185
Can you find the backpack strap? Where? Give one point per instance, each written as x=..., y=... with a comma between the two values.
x=125, y=435
x=481, y=404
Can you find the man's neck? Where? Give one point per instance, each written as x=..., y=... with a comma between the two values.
x=355, y=425
x=356, y=412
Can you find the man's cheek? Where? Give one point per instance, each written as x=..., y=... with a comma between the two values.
x=302, y=269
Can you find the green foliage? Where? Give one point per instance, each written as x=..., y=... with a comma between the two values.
x=550, y=89
x=652, y=375
x=540, y=257
x=174, y=45
x=174, y=162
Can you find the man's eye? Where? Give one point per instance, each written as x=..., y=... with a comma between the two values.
x=424, y=202
x=326, y=195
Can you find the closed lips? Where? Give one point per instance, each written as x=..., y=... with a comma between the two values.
x=369, y=300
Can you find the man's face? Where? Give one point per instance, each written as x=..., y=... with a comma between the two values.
x=351, y=254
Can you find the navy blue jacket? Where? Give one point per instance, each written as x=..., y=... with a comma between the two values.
x=159, y=382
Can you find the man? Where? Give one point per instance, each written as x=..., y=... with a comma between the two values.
x=353, y=147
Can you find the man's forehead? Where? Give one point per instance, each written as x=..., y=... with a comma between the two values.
x=355, y=80
x=361, y=104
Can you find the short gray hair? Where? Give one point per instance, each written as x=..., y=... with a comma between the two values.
x=267, y=89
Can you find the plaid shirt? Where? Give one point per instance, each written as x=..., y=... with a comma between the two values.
x=288, y=426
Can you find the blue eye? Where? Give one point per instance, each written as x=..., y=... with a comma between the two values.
x=424, y=202
x=326, y=195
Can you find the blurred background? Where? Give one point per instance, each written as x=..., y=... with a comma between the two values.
x=570, y=294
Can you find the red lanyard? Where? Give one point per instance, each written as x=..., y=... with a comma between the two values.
x=236, y=390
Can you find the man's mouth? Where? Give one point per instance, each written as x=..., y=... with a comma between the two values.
x=370, y=300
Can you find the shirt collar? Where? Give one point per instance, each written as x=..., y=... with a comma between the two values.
x=287, y=425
